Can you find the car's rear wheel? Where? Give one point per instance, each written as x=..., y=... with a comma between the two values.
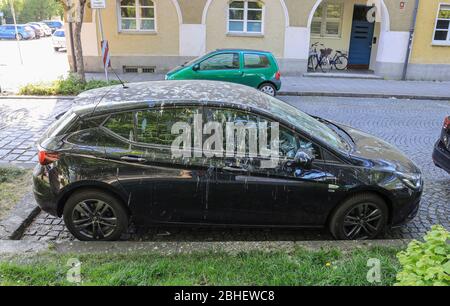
x=93, y=215
x=56, y=49
x=363, y=216
x=268, y=88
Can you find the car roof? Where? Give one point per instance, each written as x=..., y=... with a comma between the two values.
x=156, y=93
x=242, y=50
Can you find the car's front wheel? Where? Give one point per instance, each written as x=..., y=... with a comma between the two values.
x=268, y=88
x=363, y=216
x=93, y=215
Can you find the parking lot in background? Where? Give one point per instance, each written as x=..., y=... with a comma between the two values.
x=40, y=63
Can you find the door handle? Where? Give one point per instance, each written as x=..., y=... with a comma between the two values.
x=234, y=169
x=133, y=159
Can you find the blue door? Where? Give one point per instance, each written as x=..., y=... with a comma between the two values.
x=361, y=41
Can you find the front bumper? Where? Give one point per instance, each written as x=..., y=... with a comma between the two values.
x=441, y=156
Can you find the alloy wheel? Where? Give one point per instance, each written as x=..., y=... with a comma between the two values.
x=363, y=221
x=94, y=219
x=268, y=90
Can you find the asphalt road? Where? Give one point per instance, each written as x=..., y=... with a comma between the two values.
x=40, y=63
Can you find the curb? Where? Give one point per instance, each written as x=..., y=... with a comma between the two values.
x=167, y=248
x=19, y=218
x=359, y=95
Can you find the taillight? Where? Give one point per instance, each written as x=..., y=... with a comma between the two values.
x=278, y=76
x=447, y=123
x=46, y=158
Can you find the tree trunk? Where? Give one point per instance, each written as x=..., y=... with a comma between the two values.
x=77, y=42
x=74, y=12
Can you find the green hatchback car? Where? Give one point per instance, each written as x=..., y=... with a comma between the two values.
x=258, y=69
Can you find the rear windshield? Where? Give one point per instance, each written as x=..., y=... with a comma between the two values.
x=60, y=125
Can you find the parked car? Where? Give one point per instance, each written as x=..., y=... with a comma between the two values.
x=105, y=164
x=37, y=30
x=258, y=69
x=47, y=31
x=441, y=152
x=59, y=40
x=8, y=31
x=53, y=24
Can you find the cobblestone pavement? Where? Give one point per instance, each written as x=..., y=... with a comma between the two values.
x=21, y=124
x=413, y=126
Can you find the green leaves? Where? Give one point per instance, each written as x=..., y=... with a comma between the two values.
x=426, y=263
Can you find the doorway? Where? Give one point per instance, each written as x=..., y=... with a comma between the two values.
x=361, y=39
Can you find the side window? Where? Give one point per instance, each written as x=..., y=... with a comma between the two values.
x=256, y=61
x=121, y=124
x=290, y=143
x=224, y=61
x=154, y=126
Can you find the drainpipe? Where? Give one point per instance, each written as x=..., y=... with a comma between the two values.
x=410, y=41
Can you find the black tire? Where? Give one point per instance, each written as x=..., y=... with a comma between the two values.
x=268, y=88
x=340, y=226
x=72, y=215
x=19, y=36
x=56, y=49
x=341, y=63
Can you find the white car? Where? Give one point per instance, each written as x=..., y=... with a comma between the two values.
x=59, y=40
x=44, y=27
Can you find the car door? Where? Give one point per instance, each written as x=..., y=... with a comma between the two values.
x=161, y=188
x=245, y=190
x=256, y=67
x=224, y=67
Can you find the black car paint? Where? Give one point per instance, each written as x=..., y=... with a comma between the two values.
x=176, y=193
x=441, y=152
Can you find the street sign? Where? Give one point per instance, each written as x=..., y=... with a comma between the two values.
x=98, y=4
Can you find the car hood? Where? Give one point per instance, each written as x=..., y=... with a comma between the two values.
x=379, y=153
x=175, y=70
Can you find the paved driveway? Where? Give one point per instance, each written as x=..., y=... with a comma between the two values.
x=40, y=63
x=413, y=126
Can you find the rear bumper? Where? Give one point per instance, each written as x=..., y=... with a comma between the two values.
x=46, y=196
x=441, y=156
x=277, y=84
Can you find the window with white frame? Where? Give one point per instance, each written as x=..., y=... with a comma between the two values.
x=245, y=17
x=137, y=15
x=442, y=30
x=327, y=20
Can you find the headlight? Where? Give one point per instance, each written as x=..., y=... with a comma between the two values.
x=411, y=180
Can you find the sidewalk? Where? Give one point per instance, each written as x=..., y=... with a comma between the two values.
x=335, y=87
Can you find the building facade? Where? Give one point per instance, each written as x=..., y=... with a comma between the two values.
x=156, y=35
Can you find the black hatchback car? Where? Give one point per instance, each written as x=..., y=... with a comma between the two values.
x=441, y=152
x=118, y=158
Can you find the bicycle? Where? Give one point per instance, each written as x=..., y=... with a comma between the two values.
x=339, y=61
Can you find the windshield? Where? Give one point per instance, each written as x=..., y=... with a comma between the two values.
x=191, y=62
x=308, y=124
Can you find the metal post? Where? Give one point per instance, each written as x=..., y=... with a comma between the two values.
x=102, y=34
x=411, y=37
x=13, y=12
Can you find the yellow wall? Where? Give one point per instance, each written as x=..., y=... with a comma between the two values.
x=274, y=26
x=164, y=42
x=423, y=51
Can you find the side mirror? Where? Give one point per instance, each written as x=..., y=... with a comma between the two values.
x=303, y=159
x=196, y=67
